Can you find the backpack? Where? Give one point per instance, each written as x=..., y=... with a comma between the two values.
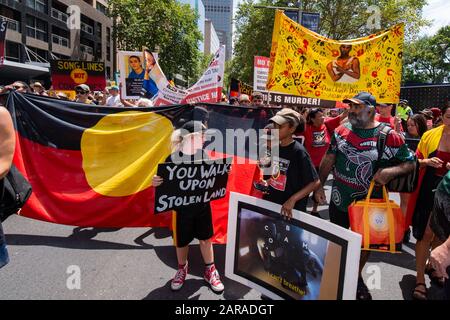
x=405, y=183
x=15, y=190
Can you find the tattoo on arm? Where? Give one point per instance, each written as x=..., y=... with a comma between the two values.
x=326, y=166
x=401, y=169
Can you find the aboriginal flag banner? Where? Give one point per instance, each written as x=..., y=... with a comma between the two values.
x=93, y=166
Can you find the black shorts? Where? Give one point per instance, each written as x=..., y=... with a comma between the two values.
x=339, y=217
x=195, y=223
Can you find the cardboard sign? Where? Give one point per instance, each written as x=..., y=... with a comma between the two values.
x=292, y=100
x=261, y=72
x=190, y=184
x=304, y=258
x=67, y=74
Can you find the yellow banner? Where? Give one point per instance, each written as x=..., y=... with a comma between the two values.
x=307, y=64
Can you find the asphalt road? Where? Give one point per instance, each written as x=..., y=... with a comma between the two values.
x=138, y=263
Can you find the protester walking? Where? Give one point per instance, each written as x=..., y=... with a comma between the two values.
x=193, y=221
x=433, y=152
x=293, y=176
x=353, y=158
x=440, y=225
x=317, y=133
x=7, y=144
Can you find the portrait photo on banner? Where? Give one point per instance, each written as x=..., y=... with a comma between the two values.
x=304, y=258
x=136, y=74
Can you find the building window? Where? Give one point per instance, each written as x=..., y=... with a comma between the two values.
x=98, y=30
x=61, y=37
x=41, y=53
x=108, y=53
x=12, y=51
x=103, y=9
x=38, y=5
x=37, y=28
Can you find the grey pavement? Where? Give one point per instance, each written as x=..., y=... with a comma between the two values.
x=138, y=263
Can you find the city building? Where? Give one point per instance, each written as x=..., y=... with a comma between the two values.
x=220, y=12
x=212, y=42
x=199, y=8
x=41, y=30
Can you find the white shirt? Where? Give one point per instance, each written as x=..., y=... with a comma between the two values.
x=113, y=101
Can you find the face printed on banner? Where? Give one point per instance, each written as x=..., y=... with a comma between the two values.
x=149, y=59
x=135, y=63
x=345, y=50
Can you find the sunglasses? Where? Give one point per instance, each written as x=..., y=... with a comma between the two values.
x=18, y=87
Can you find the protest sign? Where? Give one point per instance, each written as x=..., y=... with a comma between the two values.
x=135, y=67
x=306, y=64
x=261, y=72
x=66, y=74
x=238, y=87
x=191, y=183
x=304, y=258
x=3, y=29
x=207, y=89
x=291, y=100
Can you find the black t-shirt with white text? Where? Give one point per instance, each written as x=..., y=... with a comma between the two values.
x=291, y=172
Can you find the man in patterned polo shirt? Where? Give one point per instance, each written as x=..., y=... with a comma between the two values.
x=353, y=155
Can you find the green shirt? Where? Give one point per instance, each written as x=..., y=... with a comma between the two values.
x=444, y=185
x=356, y=161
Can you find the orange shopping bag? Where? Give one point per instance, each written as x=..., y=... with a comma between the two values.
x=379, y=221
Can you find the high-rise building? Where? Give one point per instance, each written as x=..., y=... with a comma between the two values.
x=199, y=8
x=212, y=42
x=38, y=31
x=220, y=12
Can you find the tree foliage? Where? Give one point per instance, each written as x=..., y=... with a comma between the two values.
x=428, y=59
x=166, y=25
x=340, y=19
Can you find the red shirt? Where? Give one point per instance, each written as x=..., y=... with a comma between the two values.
x=388, y=120
x=317, y=140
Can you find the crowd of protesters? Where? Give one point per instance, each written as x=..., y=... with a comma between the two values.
x=341, y=142
x=110, y=97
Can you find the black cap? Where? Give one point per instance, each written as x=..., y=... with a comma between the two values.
x=364, y=98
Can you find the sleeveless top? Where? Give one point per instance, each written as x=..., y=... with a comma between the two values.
x=345, y=78
x=445, y=157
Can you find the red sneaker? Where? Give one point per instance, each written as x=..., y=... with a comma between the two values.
x=180, y=277
x=212, y=277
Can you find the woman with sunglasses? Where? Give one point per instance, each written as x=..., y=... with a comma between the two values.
x=82, y=94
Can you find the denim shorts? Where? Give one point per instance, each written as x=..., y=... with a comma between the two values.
x=4, y=258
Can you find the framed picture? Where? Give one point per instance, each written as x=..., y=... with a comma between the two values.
x=304, y=258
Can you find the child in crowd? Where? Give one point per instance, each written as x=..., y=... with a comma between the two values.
x=193, y=221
